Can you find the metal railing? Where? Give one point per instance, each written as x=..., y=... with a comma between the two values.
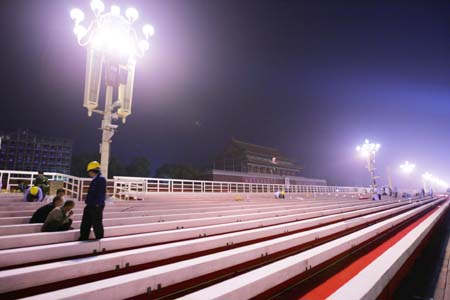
x=75, y=187
x=125, y=187
x=132, y=186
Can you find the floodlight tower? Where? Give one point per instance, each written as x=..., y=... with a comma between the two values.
x=113, y=45
x=368, y=151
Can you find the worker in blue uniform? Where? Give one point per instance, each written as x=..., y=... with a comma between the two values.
x=95, y=203
x=33, y=194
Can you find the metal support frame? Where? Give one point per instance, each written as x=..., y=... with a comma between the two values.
x=371, y=168
x=107, y=131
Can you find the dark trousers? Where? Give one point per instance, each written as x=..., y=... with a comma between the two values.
x=65, y=226
x=92, y=217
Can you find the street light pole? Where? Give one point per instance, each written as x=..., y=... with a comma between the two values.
x=368, y=151
x=112, y=44
x=389, y=176
x=107, y=131
x=371, y=168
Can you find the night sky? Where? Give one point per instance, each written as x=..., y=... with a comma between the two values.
x=312, y=78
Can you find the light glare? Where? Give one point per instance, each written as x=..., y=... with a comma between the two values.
x=407, y=167
x=132, y=14
x=148, y=30
x=144, y=45
x=368, y=148
x=97, y=6
x=80, y=31
x=434, y=180
x=115, y=10
x=77, y=15
x=112, y=33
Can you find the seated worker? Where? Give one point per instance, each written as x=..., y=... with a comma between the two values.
x=42, y=182
x=60, y=192
x=277, y=194
x=41, y=214
x=283, y=194
x=59, y=218
x=33, y=194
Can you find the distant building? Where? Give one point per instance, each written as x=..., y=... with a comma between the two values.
x=244, y=162
x=25, y=151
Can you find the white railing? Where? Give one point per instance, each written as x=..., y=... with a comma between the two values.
x=75, y=187
x=134, y=187
x=125, y=187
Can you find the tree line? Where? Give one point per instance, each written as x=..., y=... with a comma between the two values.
x=138, y=167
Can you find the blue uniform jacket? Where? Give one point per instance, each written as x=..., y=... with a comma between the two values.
x=97, y=191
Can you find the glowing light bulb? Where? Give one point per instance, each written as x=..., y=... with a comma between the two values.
x=148, y=30
x=115, y=10
x=97, y=6
x=77, y=15
x=132, y=14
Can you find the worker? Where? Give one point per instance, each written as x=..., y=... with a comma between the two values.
x=42, y=182
x=283, y=194
x=42, y=213
x=95, y=203
x=395, y=191
x=59, y=218
x=60, y=192
x=277, y=194
x=33, y=194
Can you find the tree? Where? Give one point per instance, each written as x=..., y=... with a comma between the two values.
x=115, y=167
x=139, y=167
x=80, y=161
x=177, y=171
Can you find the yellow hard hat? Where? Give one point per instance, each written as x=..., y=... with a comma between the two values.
x=34, y=190
x=93, y=165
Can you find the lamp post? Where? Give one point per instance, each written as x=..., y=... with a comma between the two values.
x=368, y=151
x=430, y=180
x=407, y=167
x=113, y=45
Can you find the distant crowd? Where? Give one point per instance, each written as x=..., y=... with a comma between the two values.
x=378, y=192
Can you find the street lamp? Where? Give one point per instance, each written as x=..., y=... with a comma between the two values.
x=113, y=45
x=368, y=151
x=433, y=180
x=407, y=167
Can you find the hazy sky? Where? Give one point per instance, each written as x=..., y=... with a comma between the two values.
x=312, y=78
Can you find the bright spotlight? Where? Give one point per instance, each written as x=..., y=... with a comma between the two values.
x=427, y=176
x=368, y=148
x=97, y=6
x=77, y=15
x=132, y=14
x=434, y=180
x=407, y=167
x=115, y=10
x=148, y=30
